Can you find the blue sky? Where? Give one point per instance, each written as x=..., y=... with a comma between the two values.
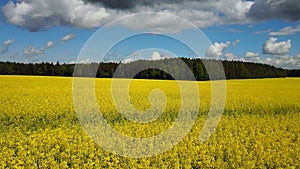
x=255, y=31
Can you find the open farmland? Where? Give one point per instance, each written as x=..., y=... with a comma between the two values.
x=260, y=127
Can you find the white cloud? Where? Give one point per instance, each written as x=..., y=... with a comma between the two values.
x=6, y=44
x=297, y=57
x=263, y=31
x=216, y=49
x=9, y=42
x=251, y=56
x=68, y=37
x=50, y=44
x=229, y=56
x=272, y=47
x=80, y=62
x=284, y=61
x=163, y=23
x=156, y=56
x=32, y=51
x=127, y=60
x=146, y=55
x=236, y=42
x=286, y=31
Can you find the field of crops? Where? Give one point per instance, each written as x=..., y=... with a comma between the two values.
x=260, y=127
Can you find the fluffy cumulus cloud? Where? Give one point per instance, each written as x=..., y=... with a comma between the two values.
x=273, y=47
x=127, y=60
x=160, y=55
x=156, y=56
x=229, y=56
x=216, y=50
x=284, y=61
x=9, y=42
x=68, y=37
x=271, y=9
x=251, y=56
x=6, y=44
x=36, y=15
x=277, y=53
x=286, y=31
x=50, y=44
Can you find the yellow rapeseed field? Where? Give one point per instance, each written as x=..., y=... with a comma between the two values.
x=260, y=127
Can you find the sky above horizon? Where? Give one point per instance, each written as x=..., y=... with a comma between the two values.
x=263, y=31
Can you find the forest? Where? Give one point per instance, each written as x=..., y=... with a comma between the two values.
x=232, y=69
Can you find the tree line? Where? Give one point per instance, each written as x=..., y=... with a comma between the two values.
x=145, y=69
